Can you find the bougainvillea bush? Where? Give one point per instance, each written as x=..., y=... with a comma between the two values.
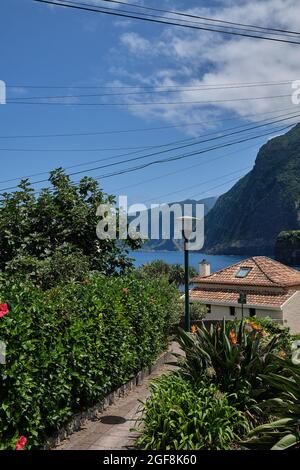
x=68, y=347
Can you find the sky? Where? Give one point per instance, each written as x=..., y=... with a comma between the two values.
x=59, y=49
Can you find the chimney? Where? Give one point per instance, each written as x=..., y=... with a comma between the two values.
x=204, y=268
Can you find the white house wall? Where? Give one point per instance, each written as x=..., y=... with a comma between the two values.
x=291, y=313
x=218, y=312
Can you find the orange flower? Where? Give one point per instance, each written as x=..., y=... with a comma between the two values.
x=255, y=326
x=232, y=337
x=125, y=290
x=282, y=353
x=194, y=329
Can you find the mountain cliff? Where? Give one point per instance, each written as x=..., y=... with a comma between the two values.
x=266, y=201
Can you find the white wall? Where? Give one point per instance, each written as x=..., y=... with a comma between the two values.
x=291, y=313
x=218, y=312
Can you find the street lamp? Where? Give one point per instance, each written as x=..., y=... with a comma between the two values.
x=187, y=224
x=242, y=300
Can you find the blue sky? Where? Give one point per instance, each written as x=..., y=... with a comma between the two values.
x=48, y=46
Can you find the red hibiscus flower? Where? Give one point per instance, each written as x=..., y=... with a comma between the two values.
x=21, y=443
x=4, y=309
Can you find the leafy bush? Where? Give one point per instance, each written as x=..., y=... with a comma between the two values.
x=179, y=417
x=273, y=328
x=69, y=346
x=198, y=311
x=66, y=264
x=174, y=272
x=232, y=355
x=65, y=213
x=282, y=433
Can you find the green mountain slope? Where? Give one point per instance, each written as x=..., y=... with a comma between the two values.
x=248, y=218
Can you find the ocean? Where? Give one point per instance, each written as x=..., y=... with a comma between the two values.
x=176, y=257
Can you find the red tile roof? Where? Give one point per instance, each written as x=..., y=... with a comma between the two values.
x=264, y=272
x=227, y=296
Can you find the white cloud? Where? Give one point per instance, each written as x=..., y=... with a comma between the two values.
x=135, y=43
x=192, y=58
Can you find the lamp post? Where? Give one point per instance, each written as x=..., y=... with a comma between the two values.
x=187, y=230
x=242, y=300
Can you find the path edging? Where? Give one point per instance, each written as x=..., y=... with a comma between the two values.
x=79, y=419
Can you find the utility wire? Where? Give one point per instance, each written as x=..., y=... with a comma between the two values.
x=166, y=151
x=145, y=129
x=143, y=92
x=181, y=170
x=133, y=153
x=151, y=103
x=141, y=148
x=189, y=15
x=180, y=157
x=217, y=86
x=167, y=22
x=196, y=185
x=171, y=159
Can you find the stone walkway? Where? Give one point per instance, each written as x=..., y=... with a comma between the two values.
x=111, y=429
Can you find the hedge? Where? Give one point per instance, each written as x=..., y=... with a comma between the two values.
x=70, y=346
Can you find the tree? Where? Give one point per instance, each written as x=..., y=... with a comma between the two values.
x=60, y=219
x=174, y=272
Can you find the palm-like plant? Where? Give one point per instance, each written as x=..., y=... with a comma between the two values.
x=283, y=433
x=231, y=354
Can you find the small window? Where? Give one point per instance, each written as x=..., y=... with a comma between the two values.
x=232, y=311
x=252, y=312
x=208, y=308
x=243, y=272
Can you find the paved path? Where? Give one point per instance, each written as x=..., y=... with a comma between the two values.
x=111, y=430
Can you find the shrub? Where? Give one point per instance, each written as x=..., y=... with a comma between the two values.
x=179, y=417
x=173, y=272
x=273, y=328
x=282, y=433
x=64, y=265
x=70, y=346
x=64, y=213
x=231, y=355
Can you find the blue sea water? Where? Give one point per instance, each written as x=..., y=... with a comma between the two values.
x=176, y=257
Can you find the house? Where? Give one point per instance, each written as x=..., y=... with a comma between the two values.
x=266, y=287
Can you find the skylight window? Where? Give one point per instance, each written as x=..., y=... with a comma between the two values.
x=243, y=272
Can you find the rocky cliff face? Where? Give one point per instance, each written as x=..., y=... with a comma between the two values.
x=248, y=218
x=287, y=248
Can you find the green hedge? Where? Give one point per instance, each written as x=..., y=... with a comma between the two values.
x=70, y=346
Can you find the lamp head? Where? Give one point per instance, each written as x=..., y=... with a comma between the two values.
x=187, y=225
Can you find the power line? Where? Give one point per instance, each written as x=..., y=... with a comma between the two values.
x=133, y=153
x=152, y=103
x=189, y=15
x=215, y=187
x=125, y=87
x=155, y=178
x=78, y=150
x=155, y=91
x=234, y=26
x=157, y=146
x=166, y=151
x=180, y=157
x=175, y=158
x=196, y=185
x=145, y=129
x=166, y=22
